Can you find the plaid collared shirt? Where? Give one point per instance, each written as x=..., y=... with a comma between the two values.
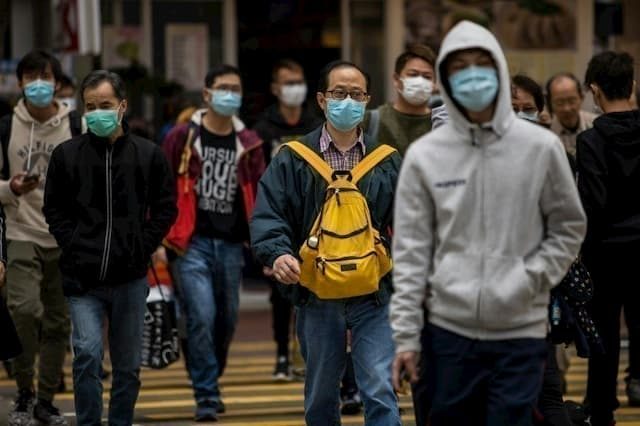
x=337, y=159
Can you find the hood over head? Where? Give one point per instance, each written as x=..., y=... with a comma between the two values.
x=467, y=35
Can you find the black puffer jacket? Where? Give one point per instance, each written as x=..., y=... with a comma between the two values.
x=108, y=206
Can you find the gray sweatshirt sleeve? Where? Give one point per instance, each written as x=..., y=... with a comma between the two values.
x=565, y=222
x=412, y=254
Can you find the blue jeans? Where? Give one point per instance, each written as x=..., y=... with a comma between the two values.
x=322, y=326
x=124, y=305
x=210, y=276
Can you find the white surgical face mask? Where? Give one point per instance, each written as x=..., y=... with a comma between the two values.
x=416, y=90
x=293, y=95
x=528, y=116
x=71, y=102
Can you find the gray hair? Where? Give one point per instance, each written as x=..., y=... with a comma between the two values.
x=94, y=79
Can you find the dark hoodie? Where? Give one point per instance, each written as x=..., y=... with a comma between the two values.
x=274, y=130
x=608, y=159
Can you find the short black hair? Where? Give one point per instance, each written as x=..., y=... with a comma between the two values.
x=94, y=79
x=530, y=86
x=613, y=73
x=37, y=61
x=216, y=72
x=553, y=78
x=416, y=50
x=66, y=81
x=323, y=80
x=288, y=64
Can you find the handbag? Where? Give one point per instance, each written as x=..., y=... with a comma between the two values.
x=10, y=347
x=160, y=344
x=569, y=312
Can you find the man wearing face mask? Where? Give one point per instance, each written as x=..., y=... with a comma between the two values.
x=487, y=219
x=227, y=159
x=109, y=200
x=290, y=195
x=282, y=122
x=67, y=92
x=34, y=290
x=287, y=119
x=408, y=117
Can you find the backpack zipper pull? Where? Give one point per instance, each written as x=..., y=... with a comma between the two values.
x=337, y=194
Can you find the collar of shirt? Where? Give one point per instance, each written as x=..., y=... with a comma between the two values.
x=326, y=141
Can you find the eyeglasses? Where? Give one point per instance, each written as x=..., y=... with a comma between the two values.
x=356, y=95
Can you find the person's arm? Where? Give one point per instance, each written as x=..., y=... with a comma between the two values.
x=413, y=244
x=57, y=206
x=564, y=219
x=592, y=175
x=271, y=230
x=162, y=203
x=413, y=236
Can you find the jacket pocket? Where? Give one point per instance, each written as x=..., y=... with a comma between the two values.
x=507, y=299
x=455, y=287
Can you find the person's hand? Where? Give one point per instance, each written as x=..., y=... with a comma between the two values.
x=3, y=274
x=159, y=256
x=20, y=186
x=286, y=269
x=267, y=272
x=405, y=364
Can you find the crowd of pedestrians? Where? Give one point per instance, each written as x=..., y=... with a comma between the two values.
x=418, y=243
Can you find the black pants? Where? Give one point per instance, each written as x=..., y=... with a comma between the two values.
x=479, y=382
x=550, y=401
x=616, y=281
x=281, y=316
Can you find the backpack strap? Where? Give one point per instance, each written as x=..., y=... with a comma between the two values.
x=185, y=157
x=313, y=159
x=75, y=123
x=370, y=161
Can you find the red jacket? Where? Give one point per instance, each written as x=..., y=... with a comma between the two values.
x=249, y=156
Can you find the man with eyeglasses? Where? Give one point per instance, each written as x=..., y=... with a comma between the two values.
x=227, y=161
x=289, y=197
x=564, y=97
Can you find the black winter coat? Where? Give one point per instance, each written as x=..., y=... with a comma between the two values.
x=608, y=162
x=109, y=207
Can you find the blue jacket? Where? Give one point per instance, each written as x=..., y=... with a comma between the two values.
x=290, y=195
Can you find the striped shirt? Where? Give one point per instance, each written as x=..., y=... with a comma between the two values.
x=341, y=160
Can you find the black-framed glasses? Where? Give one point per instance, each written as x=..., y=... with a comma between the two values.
x=356, y=95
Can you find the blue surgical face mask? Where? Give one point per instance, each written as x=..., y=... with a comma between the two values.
x=474, y=87
x=39, y=93
x=345, y=114
x=533, y=116
x=102, y=122
x=225, y=102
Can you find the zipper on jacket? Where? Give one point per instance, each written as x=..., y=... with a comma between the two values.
x=109, y=227
x=483, y=232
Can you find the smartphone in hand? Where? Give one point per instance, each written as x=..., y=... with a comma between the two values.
x=31, y=178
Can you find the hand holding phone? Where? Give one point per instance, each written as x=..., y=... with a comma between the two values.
x=23, y=183
x=31, y=178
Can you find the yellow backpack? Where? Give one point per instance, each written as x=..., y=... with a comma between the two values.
x=343, y=256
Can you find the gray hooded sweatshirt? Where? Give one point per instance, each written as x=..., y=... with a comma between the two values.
x=31, y=145
x=487, y=219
